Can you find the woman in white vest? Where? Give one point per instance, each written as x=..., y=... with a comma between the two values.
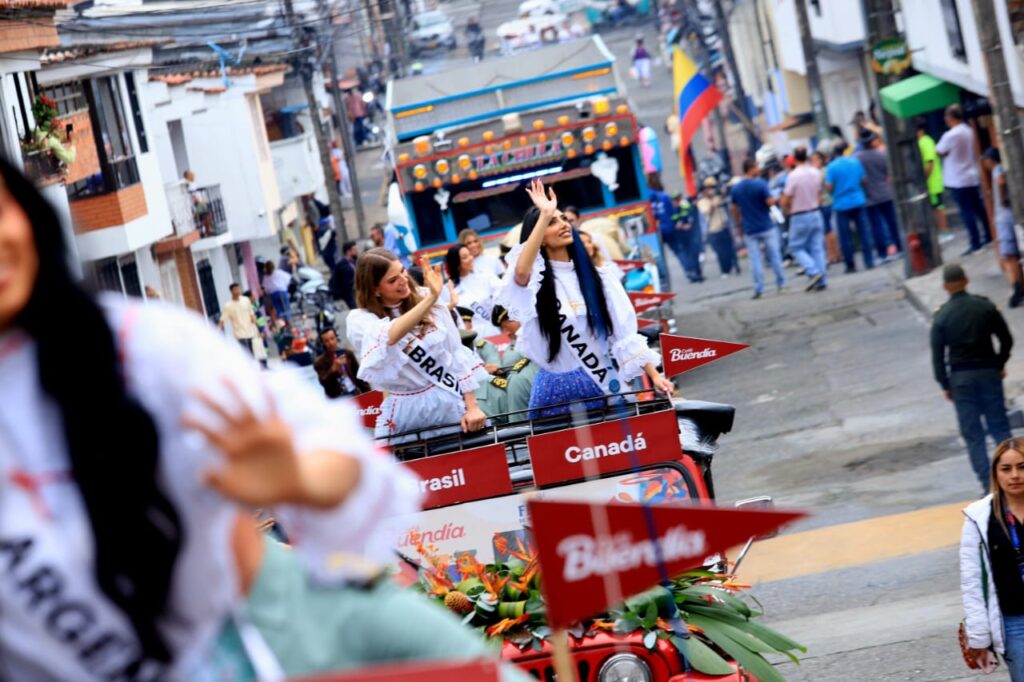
x=121, y=482
x=409, y=346
x=475, y=290
x=577, y=322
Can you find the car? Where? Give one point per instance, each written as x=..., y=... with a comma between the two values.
x=473, y=533
x=431, y=31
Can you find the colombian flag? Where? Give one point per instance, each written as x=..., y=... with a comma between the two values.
x=697, y=98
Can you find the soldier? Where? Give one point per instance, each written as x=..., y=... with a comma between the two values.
x=968, y=367
x=491, y=395
x=520, y=370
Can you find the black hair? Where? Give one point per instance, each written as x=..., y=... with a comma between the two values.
x=137, y=533
x=452, y=261
x=800, y=154
x=748, y=164
x=233, y=286
x=955, y=112
x=599, y=320
x=347, y=246
x=992, y=154
x=571, y=209
x=922, y=126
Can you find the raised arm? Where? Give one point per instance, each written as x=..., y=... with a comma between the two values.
x=405, y=324
x=548, y=204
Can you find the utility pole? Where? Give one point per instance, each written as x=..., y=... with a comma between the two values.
x=822, y=126
x=1001, y=96
x=905, y=167
x=347, y=144
x=740, y=95
x=304, y=63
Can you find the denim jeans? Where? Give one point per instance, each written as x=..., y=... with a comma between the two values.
x=770, y=240
x=281, y=304
x=980, y=411
x=885, y=228
x=807, y=242
x=725, y=250
x=859, y=218
x=680, y=241
x=1013, y=628
x=968, y=200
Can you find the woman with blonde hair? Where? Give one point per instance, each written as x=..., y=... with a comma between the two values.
x=482, y=263
x=992, y=566
x=473, y=290
x=409, y=346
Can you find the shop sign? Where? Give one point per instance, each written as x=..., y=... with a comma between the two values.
x=507, y=158
x=890, y=56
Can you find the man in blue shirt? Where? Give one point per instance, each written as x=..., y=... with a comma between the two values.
x=672, y=235
x=751, y=200
x=844, y=180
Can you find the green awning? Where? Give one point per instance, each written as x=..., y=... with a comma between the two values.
x=917, y=95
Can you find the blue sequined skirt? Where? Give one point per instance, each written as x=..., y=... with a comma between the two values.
x=553, y=388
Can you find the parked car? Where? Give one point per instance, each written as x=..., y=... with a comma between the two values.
x=431, y=31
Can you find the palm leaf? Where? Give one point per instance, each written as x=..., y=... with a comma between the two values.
x=702, y=657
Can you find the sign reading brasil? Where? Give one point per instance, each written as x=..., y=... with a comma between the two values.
x=618, y=445
x=462, y=476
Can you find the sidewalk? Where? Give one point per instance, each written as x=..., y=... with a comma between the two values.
x=986, y=279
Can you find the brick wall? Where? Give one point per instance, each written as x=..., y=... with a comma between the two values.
x=87, y=160
x=27, y=35
x=108, y=210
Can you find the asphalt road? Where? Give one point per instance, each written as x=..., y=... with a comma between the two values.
x=837, y=413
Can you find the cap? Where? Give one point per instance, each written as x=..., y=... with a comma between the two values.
x=953, y=272
x=867, y=136
x=299, y=345
x=992, y=154
x=498, y=315
x=710, y=182
x=465, y=313
x=789, y=161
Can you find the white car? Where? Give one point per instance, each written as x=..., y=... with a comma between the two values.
x=430, y=31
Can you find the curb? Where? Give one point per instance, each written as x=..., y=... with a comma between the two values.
x=912, y=296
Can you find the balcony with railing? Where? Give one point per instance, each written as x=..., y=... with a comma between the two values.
x=208, y=211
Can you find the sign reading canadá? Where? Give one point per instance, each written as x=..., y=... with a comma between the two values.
x=618, y=445
x=531, y=153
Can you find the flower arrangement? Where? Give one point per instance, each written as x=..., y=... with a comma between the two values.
x=45, y=137
x=504, y=601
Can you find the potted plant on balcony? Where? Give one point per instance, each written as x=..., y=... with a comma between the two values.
x=44, y=154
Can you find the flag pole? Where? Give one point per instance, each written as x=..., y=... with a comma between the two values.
x=561, y=657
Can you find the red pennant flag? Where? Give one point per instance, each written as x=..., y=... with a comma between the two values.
x=484, y=670
x=368, y=405
x=629, y=265
x=682, y=353
x=643, y=301
x=593, y=556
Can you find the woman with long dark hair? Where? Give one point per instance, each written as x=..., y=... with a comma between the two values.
x=121, y=481
x=474, y=290
x=409, y=346
x=577, y=321
x=992, y=566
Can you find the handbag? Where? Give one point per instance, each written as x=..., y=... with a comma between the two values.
x=970, y=657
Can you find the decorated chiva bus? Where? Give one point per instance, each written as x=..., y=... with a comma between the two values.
x=465, y=142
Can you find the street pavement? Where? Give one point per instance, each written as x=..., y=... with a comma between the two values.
x=837, y=413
